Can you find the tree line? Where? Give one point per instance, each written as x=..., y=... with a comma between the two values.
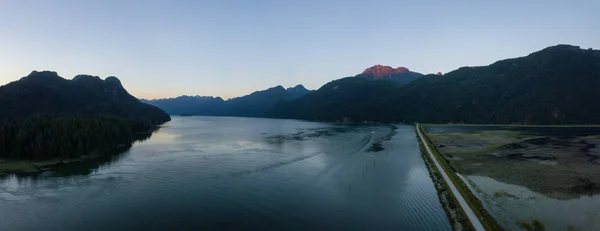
x=65, y=136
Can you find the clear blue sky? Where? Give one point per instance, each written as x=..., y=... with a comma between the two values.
x=231, y=48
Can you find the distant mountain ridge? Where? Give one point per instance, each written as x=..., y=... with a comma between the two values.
x=258, y=102
x=557, y=85
x=190, y=105
x=401, y=75
x=252, y=105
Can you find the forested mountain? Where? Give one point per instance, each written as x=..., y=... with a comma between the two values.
x=47, y=93
x=350, y=98
x=190, y=105
x=45, y=116
x=557, y=85
x=253, y=105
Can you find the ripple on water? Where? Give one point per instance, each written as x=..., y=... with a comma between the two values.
x=203, y=173
x=12, y=197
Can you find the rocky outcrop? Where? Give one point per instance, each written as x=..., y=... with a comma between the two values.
x=380, y=71
x=400, y=75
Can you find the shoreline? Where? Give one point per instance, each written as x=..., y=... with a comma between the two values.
x=23, y=166
x=17, y=166
x=8, y=167
x=458, y=187
x=513, y=125
x=449, y=204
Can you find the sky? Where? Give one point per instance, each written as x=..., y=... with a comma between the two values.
x=227, y=48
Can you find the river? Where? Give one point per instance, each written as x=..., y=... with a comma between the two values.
x=222, y=173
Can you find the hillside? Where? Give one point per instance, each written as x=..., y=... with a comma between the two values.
x=47, y=93
x=252, y=105
x=557, y=85
x=350, y=98
x=45, y=116
x=255, y=104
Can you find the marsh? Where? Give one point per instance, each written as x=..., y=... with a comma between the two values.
x=528, y=173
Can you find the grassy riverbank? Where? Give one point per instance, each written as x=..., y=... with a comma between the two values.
x=456, y=215
x=474, y=143
x=515, y=125
x=486, y=219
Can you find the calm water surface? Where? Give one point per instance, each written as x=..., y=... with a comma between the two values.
x=236, y=174
x=524, y=204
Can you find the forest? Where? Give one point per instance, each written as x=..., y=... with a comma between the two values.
x=44, y=116
x=557, y=85
x=65, y=136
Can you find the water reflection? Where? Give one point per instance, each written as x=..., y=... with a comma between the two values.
x=512, y=204
x=203, y=173
x=89, y=166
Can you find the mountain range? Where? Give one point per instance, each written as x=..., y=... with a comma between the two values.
x=46, y=116
x=557, y=85
x=257, y=103
x=252, y=105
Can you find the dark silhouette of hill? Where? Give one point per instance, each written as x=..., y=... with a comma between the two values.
x=45, y=116
x=47, y=93
x=255, y=104
x=252, y=105
x=557, y=85
x=350, y=98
